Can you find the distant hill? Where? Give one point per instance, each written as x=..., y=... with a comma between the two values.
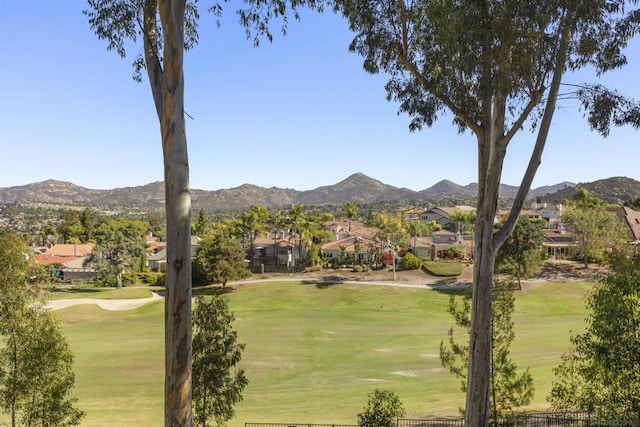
x=617, y=189
x=357, y=188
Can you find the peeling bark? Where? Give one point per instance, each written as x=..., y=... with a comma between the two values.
x=167, y=87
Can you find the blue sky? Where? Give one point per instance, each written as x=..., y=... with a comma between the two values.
x=298, y=113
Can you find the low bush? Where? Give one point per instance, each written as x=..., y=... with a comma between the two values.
x=313, y=268
x=149, y=278
x=410, y=262
x=443, y=268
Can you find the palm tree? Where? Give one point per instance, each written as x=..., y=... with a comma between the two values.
x=350, y=210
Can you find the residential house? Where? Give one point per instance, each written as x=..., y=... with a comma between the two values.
x=422, y=247
x=503, y=214
x=337, y=249
x=442, y=215
x=631, y=219
x=550, y=212
x=414, y=214
x=158, y=261
x=558, y=242
x=152, y=244
x=71, y=257
x=343, y=227
x=449, y=245
x=275, y=249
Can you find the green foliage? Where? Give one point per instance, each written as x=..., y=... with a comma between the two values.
x=596, y=227
x=419, y=228
x=410, y=262
x=633, y=203
x=36, y=362
x=70, y=228
x=120, y=245
x=350, y=210
x=520, y=255
x=474, y=61
x=509, y=390
x=150, y=278
x=599, y=374
x=217, y=381
x=442, y=268
x=394, y=229
x=464, y=220
x=220, y=258
x=200, y=224
x=383, y=409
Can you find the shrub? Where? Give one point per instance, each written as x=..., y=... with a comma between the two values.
x=410, y=262
x=313, y=268
x=149, y=278
x=382, y=410
x=443, y=268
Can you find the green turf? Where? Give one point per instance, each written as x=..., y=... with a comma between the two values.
x=313, y=353
x=443, y=268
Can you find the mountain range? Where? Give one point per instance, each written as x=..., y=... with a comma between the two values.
x=357, y=188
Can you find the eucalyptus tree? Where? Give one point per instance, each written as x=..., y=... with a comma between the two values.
x=166, y=28
x=496, y=66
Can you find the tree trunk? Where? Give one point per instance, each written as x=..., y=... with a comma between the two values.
x=167, y=87
x=178, y=283
x=479, y=371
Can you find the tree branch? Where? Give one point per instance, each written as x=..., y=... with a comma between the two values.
x=460, y=114
x=151, y=58
x=536, y=156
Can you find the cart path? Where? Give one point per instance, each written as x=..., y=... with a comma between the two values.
x=105, y=304
x=130, y=304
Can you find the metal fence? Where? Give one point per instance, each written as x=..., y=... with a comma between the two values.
x=567, y=419
x=296, y=425
x=431, y=422
x=550, y=419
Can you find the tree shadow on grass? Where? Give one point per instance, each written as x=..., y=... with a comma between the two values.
x=450, y=286
x=211, y=290
x=324, y=282
x=75, y=291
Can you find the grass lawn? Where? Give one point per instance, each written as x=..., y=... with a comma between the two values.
x=313, y=353
x=443, y=268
